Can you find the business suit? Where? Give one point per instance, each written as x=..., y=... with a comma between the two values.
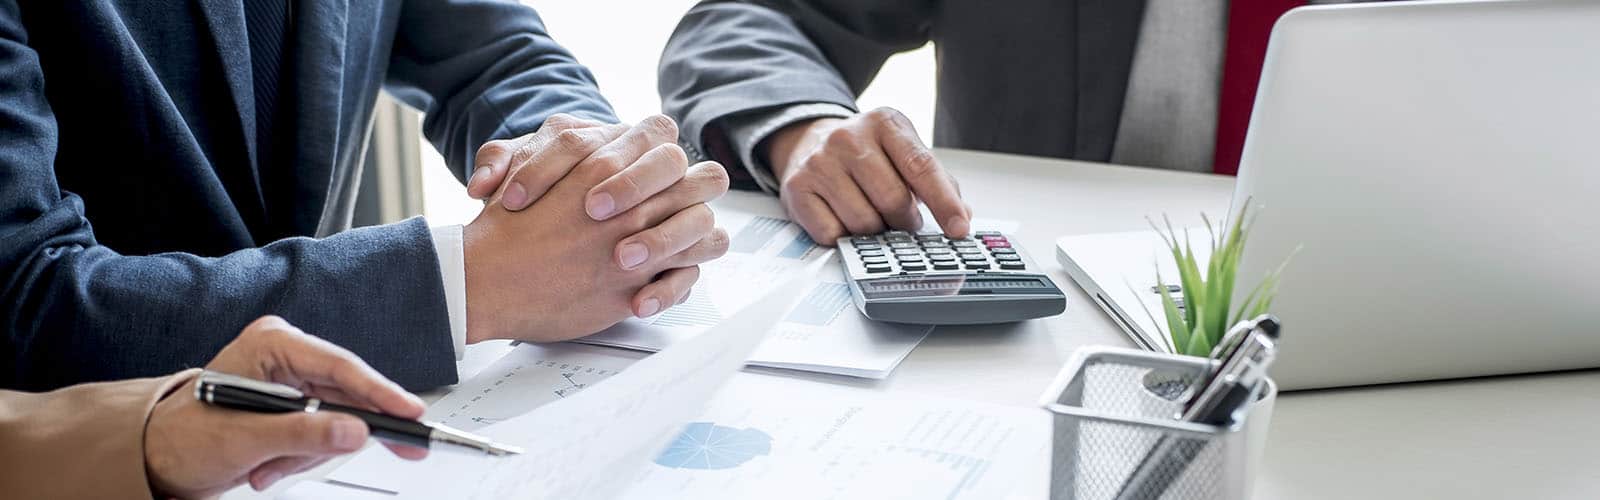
x=138, y=229
x=733, y=58
x=1124, y=81
x=84, y=441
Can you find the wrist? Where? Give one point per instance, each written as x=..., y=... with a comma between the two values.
x=783, y=148
x=472, y=260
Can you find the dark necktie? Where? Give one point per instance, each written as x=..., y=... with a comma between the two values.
x=1249, y=26
x=267, y=22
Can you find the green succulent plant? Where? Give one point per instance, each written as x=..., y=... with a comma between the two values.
x=1207, y=296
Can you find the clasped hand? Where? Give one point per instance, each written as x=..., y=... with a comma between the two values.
x=586, y=224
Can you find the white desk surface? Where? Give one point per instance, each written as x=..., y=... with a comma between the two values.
x=1507, y=437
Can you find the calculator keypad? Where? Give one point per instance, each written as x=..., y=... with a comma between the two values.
x=901, y=251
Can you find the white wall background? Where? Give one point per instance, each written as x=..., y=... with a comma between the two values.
x=621, y=41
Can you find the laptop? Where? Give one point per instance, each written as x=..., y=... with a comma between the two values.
x=1438, y=166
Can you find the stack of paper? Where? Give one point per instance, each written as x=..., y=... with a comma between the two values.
x=760, y=437
x=823, y=333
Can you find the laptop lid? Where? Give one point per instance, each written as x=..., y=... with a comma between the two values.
x=1438, y=166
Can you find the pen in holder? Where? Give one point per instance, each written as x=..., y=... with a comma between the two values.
x=1116, y=428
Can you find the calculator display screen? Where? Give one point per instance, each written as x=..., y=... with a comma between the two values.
x=927, y=286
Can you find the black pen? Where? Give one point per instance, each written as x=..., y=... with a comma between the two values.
x=1243, y=355
x=240, y=393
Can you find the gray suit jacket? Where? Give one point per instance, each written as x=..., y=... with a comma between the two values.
x=729, y=58
x=138, y=233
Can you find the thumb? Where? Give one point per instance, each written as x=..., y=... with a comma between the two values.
x=492, y=162
x=310, y=434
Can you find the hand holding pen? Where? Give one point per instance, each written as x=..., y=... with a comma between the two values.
x=192, y=450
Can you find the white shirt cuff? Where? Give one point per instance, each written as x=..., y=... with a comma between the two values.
x=453, y=272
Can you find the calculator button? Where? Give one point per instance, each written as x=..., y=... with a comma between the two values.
x=895, y=233
x=908, y=258
x=917, y=266
x=1012, y=265
x=969, y=251
x=907, y=251
x=977, y=265
x=1003, y=251
x=991, y=237
x=944, y=266
x=862, y=240
x=867, y=246
x=877, y=268
x=902, y=244
x=998, y=244
x=942, y=257
x=938, y=251
x=981, y=234
x=870, y=253
x=1010, y=257
x=964, y=244
x=875, y=260
x=935, y=244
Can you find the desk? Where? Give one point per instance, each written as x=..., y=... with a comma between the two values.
x=1459, y=439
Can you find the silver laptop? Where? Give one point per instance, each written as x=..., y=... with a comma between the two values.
x=1439, y=166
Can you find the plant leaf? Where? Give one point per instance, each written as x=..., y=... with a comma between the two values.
x=1176, y=328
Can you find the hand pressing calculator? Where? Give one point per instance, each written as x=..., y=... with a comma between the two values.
x=928, y=279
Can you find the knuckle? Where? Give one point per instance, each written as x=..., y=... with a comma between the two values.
x=659, y=240
x=661, y=127
x=884, y=117
x=718, y=242
x=607, y=164
x=494, y=149
x=714, y=176
x=676, y=155
x=920, y=163
x=570, y=140
x=561, y=120
x=842, y=139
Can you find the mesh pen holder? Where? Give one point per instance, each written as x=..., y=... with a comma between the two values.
x=1110, y=407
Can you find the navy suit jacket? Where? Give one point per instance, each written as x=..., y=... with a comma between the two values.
x=137, y=232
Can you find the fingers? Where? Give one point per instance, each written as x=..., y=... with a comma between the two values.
x=544, y=159
x=614, y=159
x=814, y=215
x=407, y=452
x=672, y=287
x=881, y=184
x=267, y=474
x=710, y=248
x=703, y=182
x=673, y=235
x=655, y=171
x=311, y=360
x=494, y=158
x=302, y=434
x=921, y=171
x=850, y=205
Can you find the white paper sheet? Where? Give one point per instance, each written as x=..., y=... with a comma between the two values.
x=774, y=437
x=528, y=377
x=584, y=444
x=823, y=333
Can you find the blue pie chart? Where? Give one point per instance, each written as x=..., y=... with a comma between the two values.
x=707, y=446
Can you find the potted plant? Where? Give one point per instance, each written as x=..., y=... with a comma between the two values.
x=1207, y=310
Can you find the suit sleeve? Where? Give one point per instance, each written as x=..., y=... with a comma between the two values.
x=84, y=441
x=742, y=58
x=72, y=310
x=483, y=70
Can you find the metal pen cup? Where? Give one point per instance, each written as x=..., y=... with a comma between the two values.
x=1111, y=406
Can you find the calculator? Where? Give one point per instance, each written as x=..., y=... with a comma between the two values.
x=927, y=279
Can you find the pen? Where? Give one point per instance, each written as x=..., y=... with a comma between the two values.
x=1244, y=354
x=240, y=393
